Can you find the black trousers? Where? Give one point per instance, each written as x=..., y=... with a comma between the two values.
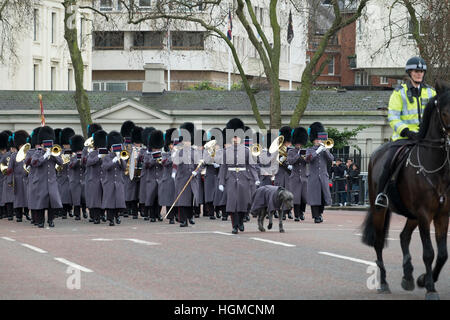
x=9, y=210
x=185, y=213
x=317, y=211
x=50, y=215
x=208, y=209
x=112, y=213
x=299, y=209
x=237, y=218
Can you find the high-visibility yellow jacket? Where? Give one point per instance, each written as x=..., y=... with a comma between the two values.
x=403, y=110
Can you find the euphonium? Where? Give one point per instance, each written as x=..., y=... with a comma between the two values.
x=21, y=154
x=56, y=150
x=4, y=167
x=329, y=143
x=255, y=149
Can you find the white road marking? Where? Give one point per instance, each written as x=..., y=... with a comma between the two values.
x=348, y=258
x=274, y=242
x=224, y=233
x=132, y=240
x=359, y=234
x=8, y=239
x=33, y=248
x=74, y=265
x=142, y=242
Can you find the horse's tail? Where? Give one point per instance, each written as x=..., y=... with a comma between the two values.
x=376, y=225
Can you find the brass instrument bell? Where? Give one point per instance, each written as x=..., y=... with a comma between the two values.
x=56, y=150
x=256, y=149
x=21, y=154
x=329, y=143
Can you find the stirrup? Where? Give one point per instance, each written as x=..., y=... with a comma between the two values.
x=382, y=200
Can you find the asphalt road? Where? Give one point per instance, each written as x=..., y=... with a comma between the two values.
x=142, y=260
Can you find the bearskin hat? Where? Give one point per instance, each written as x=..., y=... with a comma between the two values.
x=100, y=139
x=76, y=143
x=46, y=133
x=314, y=129
x=156, y=140
x=113, y=137
x=286, y=132
x=168, y=138
x=189, y=127
x=126, y=128
x=33, y=138
x=65, y=135
x=136, y=135
x=4, y=140
x=146, y=134
x=235, y=124
x=93, y=127
x=57, y=136
x=300, y=136
x=20, y=138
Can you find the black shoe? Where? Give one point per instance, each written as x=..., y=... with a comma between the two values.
x=64, y=217
x=91, y=220
x=10, y=218
x=51, y=224
x=241, y=227
x=224, y=218
x=284, y=217
x=78, y=218
x=296, y=219
x=191, y=221
x=135, y=217
x=103, y=219
x=212, y=217
x=111, y=223
x=152, y=220
x=218, y=215
x=290, y=216
x=40, y=225
x=146, y=218
x=275, y=215
x=317, y=220
x=118, y=220
x=125, y=215
x=184, y=224
x=171, y=221
x=196, y=216
x=246, y=219
x=27, y=216
x=19, y=220
x=160, y=218
x=97, y=221
x=302, y=217
x=71, y=214
x=85, y=215
x=235, y=231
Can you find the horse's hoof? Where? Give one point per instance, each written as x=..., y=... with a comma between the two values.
x=282, y=230
x=269, y=226
x=432, y=296
x=408, y=285
x=421, y=281
x=384, y=289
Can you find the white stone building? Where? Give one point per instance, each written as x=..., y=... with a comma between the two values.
x=43, y=57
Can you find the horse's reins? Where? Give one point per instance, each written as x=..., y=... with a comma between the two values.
x=441, y=143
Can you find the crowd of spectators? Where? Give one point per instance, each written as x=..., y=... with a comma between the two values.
x=346, y=179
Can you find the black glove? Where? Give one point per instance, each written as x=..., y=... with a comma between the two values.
x=409, y=134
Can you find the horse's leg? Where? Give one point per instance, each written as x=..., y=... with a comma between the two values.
x=261, y=216
x=280, y=223
x=269, y=226
x=405, y=239
x=428, y=257
x=441, y=228
x=379, y=221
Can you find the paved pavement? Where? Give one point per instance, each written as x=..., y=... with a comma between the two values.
x=142, y=260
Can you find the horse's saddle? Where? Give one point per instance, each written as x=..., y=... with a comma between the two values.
x=392, y=191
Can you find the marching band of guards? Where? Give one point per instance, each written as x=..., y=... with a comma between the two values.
x=137, y=171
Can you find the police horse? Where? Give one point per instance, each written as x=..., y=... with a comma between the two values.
x=420, y=190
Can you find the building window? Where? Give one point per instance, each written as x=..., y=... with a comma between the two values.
x=148, y=40
x=109, y=86
x=144, y=3
x=361, y=78
x=35, y=24
x=106, y=5
x=52, y=78
x=187, y=40
x=331, y=67
x=411, y=29
x=384, y=80
x=53, y=35
x=35, y=76
x=108, y=40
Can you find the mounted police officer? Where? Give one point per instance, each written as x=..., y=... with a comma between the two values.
x=405, y=111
